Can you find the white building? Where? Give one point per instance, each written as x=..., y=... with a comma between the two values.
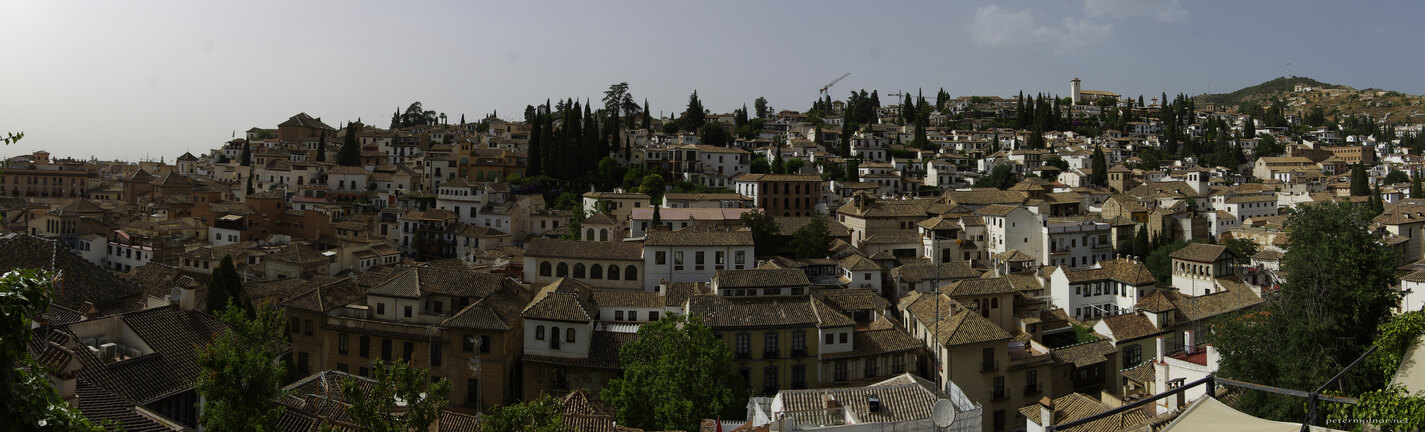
x=1011, y=227
x=694, y=255
x=1110, y=288
x=1075, y=242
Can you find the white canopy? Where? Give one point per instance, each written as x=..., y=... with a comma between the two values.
x=1208, y=414
x=1411, y=373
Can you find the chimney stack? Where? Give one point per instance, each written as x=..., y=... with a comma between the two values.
x=1046, y=412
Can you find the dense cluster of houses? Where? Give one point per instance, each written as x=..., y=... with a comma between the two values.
x=1011, y=303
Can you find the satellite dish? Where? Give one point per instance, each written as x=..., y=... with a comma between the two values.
x=943, y=414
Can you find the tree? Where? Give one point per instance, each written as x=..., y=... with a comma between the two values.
x=246, y=157
x=539, y=415
x=657, y=216
x=1140, y=243
x=1099, y=165
x=713, y=134
x=812, y=240
x=653, y=185
x=676, y=373
x=695, y=116
x=1323, y=317
x=322, y=147
x=241, y=378
x=416, y=115
x=350, y=153
x=1000, y=177
x=1243, y=248
x=761, y=106
x=373, y=410
x=250, y=190
x=1158, y=262
x=647, y=116
x=225, y=286
x=794, y=165
x=778, y=165
x=760, y=166
x=1396, y=177
x=1359, y=186
x=29, y=401
x=1416, y=191
x=764, y=231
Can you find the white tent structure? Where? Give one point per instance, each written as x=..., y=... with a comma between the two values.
x=1411, y=373
x=1209, y=414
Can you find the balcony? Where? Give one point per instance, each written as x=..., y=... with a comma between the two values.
x=999, y=395
x=770, y=354
x=1033, y=389
x=989, y=366
x=742, y=355
x=799, y=352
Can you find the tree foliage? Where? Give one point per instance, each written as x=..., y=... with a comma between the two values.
x=396, y=382
x=1160, y=265
x=539, y=415
x=322, y=147
x=714, y=134
x=1000, y=177
x=224, y=287
x=1099, y=167
x=812, y=240
x=350, y=152
x=764, y=231
x=1322, y=319
x=1359, y=185
x=29, y=401
x=676, y=373
x=241, y=377
x=1243, y=248
x=696, y=115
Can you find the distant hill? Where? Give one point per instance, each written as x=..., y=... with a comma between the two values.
x=1268, y=89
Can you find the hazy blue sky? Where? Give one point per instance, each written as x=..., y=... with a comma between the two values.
x=129, y=79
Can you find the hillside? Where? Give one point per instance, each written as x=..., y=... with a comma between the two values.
x=1334, y=100
x=1266, y=90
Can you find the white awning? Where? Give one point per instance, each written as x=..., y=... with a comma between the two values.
x=1208, y=414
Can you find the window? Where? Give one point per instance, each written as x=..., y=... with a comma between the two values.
x=769, y=345
x=467, y=343
x=554, y=338
x=408, y=311
x=296, y=325
x=545, y=269
x=660, y=258
x=307, y=330
x=843, y=338
x=562, y=270
x=630, y=273
x=840, y=374
x=484, y=344
x=769, y=380
x=739, y=257
x=870, y=369
x=569, y=335
x=386, y=349
x=618, y=315
x=830, y=339
x=380, y=308
x=1132, y=355
x=799, y=376
x=408, y=350
x=435, y=355
x=799, y=344
x=579, y=270
x=698, y=260
x=633, y=315
x=596, y=272
x=999, y=392
x=1031, y=381
x=539, y=332
x=744, y=344
x=613, y=272
x=341, y=343
x=898, y=364
x=677, y=260
x=364, y=345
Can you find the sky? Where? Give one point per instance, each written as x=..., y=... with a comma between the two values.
x=142, y=79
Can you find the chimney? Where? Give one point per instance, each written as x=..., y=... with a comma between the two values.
x=1159, y=346
x=662, y=287
x=88, y=310
x=1046, y=412
x=185, y=297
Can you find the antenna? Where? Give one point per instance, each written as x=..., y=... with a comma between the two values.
x=943, y=414
x=1288, y=70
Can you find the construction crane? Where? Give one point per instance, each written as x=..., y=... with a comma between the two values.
x=833, y=82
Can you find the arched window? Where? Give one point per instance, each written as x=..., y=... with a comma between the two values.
x=569, y=335
x=603, y=235
x=562, y=270
x=630, y=273
x=579, y=270
x=544, y=268
x=613, y=272
x=596, y=271
x=589, y=234
x=539, y=333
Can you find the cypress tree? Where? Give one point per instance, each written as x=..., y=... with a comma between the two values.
x=322, y=147
x=1416, y=191
x=1099, y=165
x=657, y=217
x=778, y=167
x=536, y=163
x=250, y=190
x=908, y=110
x=1359, y=186
x=246, y=153
x=223, y=286
x=350, y=153
x=695, y=117
x=396, y=119
x=647, y=117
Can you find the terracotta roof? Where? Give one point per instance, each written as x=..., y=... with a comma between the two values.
x=789, y=224
x=958, y=324
x=1157, y=302
x=925, y=270
x=854, y=299
x=1085, y=354
x=326, y=294
x=305, y=121
x=1234, y=295
x=983, y=196
x=79, y=281
x=419, y=282
x=172, y=334
x=297, y=254
x=858, y=263
x=903, y=399
x=563, y=300
x=1268, y=255
x=1199, y=252
x=1128, y=327
x=757, y=312
x=982, y=286
x=1075, y=406
x=551, y=248
x=1122, y=270
x=759, y=278
x=699, y=237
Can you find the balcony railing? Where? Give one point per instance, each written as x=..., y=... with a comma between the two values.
x=742, y=355
x=799, y=352
x=769, y=354
x=989, y=366
x=1032, y=389
x=999, y=395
